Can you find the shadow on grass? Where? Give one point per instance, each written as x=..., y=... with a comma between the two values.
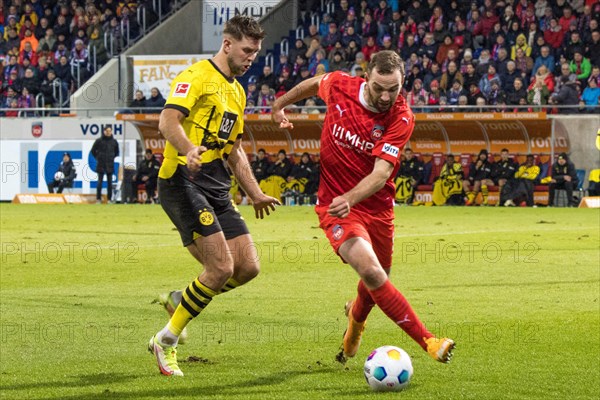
x=256, y=386
x=76, y=381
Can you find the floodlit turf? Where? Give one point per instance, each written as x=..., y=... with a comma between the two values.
x=518, y=289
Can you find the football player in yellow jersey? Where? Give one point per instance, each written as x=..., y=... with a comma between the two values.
x=203, y=123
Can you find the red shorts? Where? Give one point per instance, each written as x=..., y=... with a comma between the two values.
x=376, y=229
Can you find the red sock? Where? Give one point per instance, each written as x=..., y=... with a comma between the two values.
x=363, y=304
x=397, y=308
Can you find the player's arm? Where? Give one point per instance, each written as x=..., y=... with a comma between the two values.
x=170, y=126
x=368, y=186
x=303, y=90
x=239, y=165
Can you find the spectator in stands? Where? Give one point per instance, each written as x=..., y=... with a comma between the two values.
x=591, y=97
x=267, y=77
x=410, y=175
x=265, y=99
x=147, y=175
x=300, y=62
x=479, y=179
x=483, y=62
x=284, y=82
x=593, y=47
x=63, y=72
x=350, y=52
x=64, y=176
x=517, y=93
x=332, y=36
x=454, y=94
x=503, y=172
x=485, y=83
x=554, y=34
x=138, y=104
x=304, y=74
x=30, y=82
x=359, y=62
x=581, y=67
x=522, y=187
x=49, y=86
x=313, y=33
x=320, y=58
x=448, y=188
x=524, y=64
x=261, y=166
x=545, y=75
x=26, y=100
x=113, y=27
x=452, y=74
x=49, y=39
x=501, y=59
x=302, y=176
x=155, y=102
x=96, y=49
x=350, y=35
x=545, y=58
x=283, y=63
x=563, y=176
x=282, y=166
x=369, y=48
x=80, y=59
x=567, y=96
x=105, y=150
x=509, y=76
x=538, y=94
x=369, y=29
x=573, y=45
x=338, y=62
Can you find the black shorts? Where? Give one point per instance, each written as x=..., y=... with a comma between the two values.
x=195, y=212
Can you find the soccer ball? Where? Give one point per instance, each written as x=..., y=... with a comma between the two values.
x=59, y=176
x=388, y=368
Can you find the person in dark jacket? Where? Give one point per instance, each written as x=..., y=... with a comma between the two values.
x=105, y=150
x=147, y=174
x=503, y=172
x=138, y=104
x=410, y=175
x=156, y=101
x=564, y=176
x=567, y=95
x=64, y=176
x=479, y=179
x=261, y=166
x=306, y=173
x=282, y=167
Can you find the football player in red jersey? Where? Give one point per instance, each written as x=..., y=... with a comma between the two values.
x=367, y=124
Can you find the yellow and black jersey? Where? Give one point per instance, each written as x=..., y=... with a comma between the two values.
x=526, y=172
x=214, y=107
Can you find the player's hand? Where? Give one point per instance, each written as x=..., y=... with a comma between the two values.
x=278, y=117
x=339, y=207
x=194, y=158
x=264, y=204
x=567, y=178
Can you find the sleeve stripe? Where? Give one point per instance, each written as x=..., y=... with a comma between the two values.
x=177, y=107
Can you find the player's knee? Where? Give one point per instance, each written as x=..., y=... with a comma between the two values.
x=247, y=271
x=373, y=276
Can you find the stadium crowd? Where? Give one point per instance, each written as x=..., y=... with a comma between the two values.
x=53, y=46
x=498, y=54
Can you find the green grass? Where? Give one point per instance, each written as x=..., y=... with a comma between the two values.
x=518, y=289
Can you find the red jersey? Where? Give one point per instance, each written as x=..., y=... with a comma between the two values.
x=354, y=135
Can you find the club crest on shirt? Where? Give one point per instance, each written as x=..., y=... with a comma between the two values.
x=181, y=89
x=206, y=218
x=338, y=232
x=377, y=132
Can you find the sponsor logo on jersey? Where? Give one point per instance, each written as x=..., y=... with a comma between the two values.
x=377, y=132
x=351, y=140
x=391, y=150
x=182, y=89
x=338, y=232
x=339, y=108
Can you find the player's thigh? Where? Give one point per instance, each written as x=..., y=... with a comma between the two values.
x=339, y=230
x=381, y=232
x=188, y=209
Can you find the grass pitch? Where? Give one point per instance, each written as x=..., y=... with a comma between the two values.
x=518, y=289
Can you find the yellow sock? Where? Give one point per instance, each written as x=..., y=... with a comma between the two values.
x=195, y=298
x=484, y=193
x=229, y=285
x=471, y=196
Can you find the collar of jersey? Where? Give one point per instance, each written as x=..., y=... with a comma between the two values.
x=362, y=100
x=229, y=79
